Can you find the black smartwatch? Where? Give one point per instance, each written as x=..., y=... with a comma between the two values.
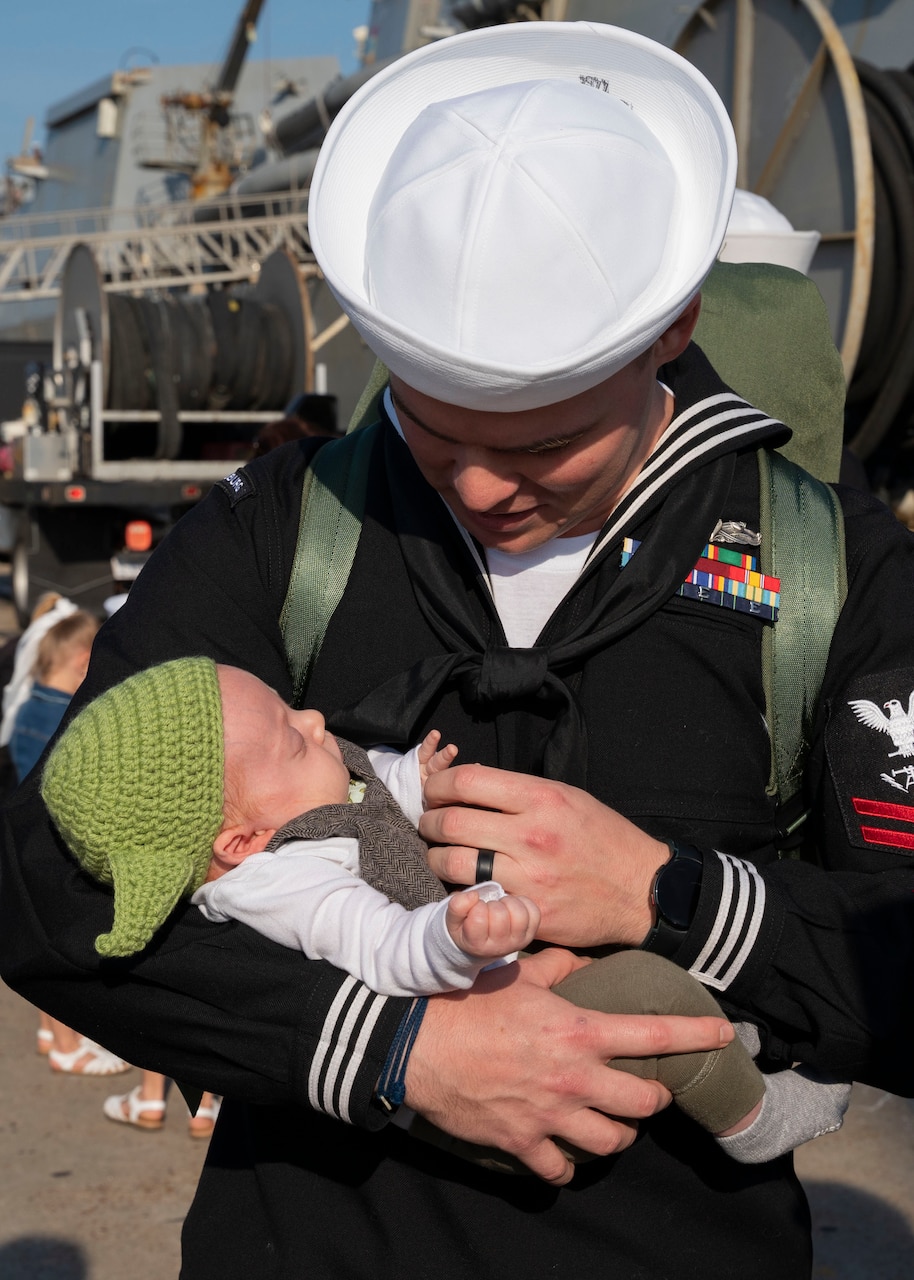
x=674, y=896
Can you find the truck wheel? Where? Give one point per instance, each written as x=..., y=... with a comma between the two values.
x=62, y=550
x=19, y=575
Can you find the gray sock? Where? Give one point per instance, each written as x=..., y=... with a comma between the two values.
x=799, y=1105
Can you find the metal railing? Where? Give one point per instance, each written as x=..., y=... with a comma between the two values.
x=153, y=246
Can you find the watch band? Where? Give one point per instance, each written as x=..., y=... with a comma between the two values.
x=674, y=897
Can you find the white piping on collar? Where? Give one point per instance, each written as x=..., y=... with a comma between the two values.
x=672, y=456
x=697, y=426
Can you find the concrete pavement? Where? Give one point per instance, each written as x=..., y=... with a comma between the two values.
x=82, y=1198
x=860, y=1185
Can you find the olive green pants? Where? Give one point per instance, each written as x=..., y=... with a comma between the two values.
x=716, y=1088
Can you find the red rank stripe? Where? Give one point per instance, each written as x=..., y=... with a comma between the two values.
x=881, y=809
x=894, y=813
x=880, y=835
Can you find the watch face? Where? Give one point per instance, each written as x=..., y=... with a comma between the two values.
x=677, y=890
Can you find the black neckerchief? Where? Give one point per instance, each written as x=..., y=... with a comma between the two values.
x=683, y=486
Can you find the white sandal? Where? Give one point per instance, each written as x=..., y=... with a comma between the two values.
x=202, y=1123
x=145, y=1113
x=87, y=1059
x=45, y=1041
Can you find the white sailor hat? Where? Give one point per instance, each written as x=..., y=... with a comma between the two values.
x=758, y=232
x=511, y=215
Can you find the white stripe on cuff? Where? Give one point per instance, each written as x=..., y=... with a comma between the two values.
x=347, y=1031
x=736, y=927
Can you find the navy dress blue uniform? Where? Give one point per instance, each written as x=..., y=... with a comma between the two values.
x=304, y=1175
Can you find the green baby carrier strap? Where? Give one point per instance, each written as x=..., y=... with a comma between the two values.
x=332, y=506
x=802, y=528
x=802, y=544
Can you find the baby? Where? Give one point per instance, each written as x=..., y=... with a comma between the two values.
x=189, y=771
x=197, y=780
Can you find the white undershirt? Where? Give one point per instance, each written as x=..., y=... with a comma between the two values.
x=528, y=586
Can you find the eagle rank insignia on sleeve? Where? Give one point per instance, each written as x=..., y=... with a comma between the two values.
x=869, y=743
x=898, y=724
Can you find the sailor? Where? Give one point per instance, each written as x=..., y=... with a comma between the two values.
x=518, y=221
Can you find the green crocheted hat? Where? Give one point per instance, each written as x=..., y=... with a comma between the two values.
x=135, y=787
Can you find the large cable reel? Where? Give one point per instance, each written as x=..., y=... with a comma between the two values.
x=183, y=368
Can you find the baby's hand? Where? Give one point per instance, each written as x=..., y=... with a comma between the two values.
x=491, y=929
x=430, y=759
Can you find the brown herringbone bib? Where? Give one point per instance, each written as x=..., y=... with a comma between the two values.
x=392, y=854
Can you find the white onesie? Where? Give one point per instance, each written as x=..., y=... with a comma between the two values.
x=308, y=895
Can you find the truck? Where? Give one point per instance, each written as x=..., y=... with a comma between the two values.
x=152, y=315
x=146, y=400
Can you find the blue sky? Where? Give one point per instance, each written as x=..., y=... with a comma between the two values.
x=50, y=48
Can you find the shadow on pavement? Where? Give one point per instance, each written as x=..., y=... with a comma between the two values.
x=857, y=1236
x=42, y=1258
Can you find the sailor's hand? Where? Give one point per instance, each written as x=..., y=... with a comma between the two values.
x=512, y=1065
x=588, y=869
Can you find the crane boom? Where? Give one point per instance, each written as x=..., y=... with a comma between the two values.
x=242, y=37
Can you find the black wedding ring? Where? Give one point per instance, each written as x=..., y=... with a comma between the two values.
x=485, y=865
